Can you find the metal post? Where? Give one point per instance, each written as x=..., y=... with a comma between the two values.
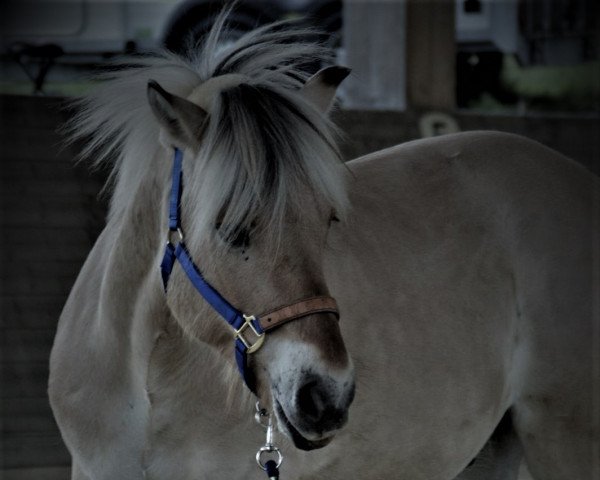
x=375, y=48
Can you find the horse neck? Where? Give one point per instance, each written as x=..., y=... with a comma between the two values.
x=135, y=231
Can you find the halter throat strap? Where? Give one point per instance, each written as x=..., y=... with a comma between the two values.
x=248, y=330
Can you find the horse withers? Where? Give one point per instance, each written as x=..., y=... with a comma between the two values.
x=462, y=269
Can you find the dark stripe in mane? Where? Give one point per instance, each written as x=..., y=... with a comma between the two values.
x=272, y=120
x=265, y=150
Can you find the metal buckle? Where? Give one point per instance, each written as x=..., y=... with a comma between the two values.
x=260, y=337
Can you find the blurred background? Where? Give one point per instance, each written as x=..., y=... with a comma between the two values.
x=510, y=56
x=420, y=68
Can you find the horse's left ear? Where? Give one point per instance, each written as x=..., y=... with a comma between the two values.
x=183, y=120
x=321, y=87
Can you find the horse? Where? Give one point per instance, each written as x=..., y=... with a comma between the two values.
x=463, y=337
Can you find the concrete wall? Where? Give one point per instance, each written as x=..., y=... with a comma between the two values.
x=51, y=216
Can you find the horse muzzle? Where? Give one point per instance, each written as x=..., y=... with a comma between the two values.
x=316, y=411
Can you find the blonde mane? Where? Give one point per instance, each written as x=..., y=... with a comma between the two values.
x=265, y=144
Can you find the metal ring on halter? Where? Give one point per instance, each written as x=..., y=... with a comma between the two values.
x=268, y=449
x=261, y=416
x=170, y=236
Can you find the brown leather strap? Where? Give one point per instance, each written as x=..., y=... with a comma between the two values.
x=275, y=318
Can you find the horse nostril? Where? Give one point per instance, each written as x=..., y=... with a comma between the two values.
x=309, y=400
x=321, y=404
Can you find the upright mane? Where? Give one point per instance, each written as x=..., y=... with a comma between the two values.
x=265, y=144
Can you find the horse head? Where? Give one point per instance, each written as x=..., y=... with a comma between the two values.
x=263, y=184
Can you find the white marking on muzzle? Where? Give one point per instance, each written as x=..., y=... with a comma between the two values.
x=307, y=388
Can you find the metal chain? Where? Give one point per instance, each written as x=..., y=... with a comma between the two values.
x=269, y=465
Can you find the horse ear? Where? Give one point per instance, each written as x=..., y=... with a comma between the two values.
x=183, y=120
x=321, y=87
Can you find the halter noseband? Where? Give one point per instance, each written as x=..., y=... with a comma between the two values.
x=242, y=324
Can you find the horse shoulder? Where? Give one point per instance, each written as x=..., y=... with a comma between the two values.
x=95, y=378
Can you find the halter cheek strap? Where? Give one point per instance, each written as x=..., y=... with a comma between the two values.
x=248, y=330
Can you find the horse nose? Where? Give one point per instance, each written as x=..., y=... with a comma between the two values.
x=323, y=404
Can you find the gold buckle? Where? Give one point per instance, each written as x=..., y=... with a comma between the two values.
x=260, y=337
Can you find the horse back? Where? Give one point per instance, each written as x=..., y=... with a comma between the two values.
x=539, y=208
x=502, y=234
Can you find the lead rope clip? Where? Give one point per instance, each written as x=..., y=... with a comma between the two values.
x=268, y=457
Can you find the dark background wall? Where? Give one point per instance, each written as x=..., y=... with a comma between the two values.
x=575, y=136
x=51, y=215
x=50, y=218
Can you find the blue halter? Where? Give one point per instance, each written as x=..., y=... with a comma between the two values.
x=240, y=322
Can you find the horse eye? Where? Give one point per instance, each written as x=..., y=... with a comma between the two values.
x=237, y=238
x=333, y=218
